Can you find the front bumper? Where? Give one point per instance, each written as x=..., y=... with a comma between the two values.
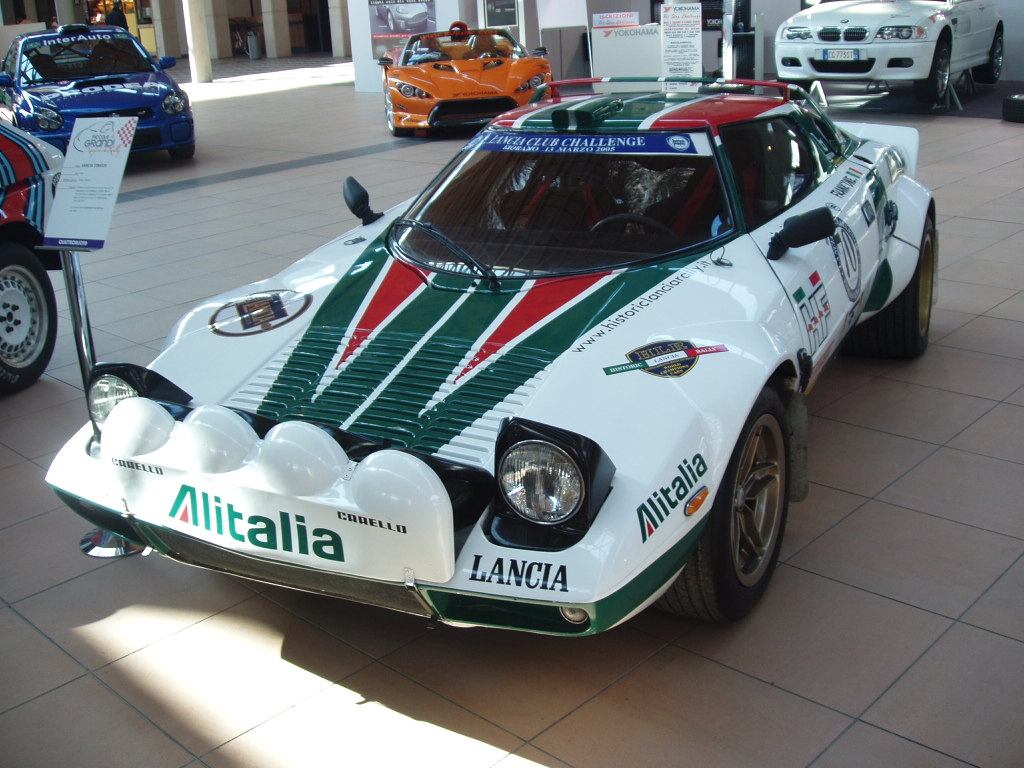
x=890, y=60
x=150, y=135
x=383, y=533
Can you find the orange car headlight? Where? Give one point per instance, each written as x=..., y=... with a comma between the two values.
x=411, y=91
x=533, y=82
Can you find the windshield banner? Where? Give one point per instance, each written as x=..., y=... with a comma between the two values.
x=631, y=144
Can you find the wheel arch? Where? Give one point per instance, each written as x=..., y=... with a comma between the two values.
x=23, y=233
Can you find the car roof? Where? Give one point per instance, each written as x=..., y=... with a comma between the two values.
x=76, y=29
x=654, y=110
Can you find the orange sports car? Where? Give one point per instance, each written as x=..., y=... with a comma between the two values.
x=459, y=77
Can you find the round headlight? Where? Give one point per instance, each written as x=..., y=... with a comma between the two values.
x=175, y=103
x=540, y=482
x=410, y=91
x=106, y=392
x=49, y=120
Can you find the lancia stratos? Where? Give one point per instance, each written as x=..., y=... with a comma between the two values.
x=51, y=78
x=563, y=383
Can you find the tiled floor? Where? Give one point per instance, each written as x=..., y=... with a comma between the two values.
x=893, y=634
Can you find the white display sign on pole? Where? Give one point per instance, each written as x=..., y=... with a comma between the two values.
x=89, y=183
x=681, y=44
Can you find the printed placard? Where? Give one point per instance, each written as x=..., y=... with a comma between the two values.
x=89, y=183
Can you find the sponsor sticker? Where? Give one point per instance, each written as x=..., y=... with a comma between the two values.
x=666, y=359
x=259, y=313
x=812, y=301
x=680, y=493
x=632, y=144
x=847, y=256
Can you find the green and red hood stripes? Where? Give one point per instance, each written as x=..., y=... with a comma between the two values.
x=640, y=112
x=415, y=357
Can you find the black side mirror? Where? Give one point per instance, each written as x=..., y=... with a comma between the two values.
x=358, y=201
x=541, y=51
x=385, y=61
x=798, y=231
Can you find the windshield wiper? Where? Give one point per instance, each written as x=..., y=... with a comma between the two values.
x=464, y=256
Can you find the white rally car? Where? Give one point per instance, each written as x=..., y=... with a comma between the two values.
x=565, y=381
x=923, y=41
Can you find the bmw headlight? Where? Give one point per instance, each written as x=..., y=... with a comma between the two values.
x=175, y=103
x=540, y=482
x=797, y=33
x=533, y=82
x=411, y=91
x=105, y=392
x=901, y=33
x=48, y=119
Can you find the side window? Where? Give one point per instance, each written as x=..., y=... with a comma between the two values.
x=774, y=166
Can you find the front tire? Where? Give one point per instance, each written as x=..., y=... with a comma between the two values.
x=28, y=318
x=734, y=561
x=389, y=114
x=184, y=152
x=933, y=88
x=989, y=72
x=900, y=331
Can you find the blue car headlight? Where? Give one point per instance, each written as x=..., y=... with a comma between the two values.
x=175, y=103
x=48, y=119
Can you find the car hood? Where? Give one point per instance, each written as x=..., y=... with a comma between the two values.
x=867, y=13
x=471, y=77
x=106, y=93
x=428, y=361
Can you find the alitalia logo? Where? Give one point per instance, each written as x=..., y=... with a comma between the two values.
x=287, y=533
x=660, y=505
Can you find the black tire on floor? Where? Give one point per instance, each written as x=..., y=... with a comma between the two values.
x=734, y=561
x=28, y=318
x=932, y=89
x=900, y=331
x=1013, y=108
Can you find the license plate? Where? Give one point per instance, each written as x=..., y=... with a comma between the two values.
x=842, y=54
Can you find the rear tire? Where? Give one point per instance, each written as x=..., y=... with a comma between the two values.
x=900, y=331
x=28, y=318
x=734, y=561
x=989, y=72
x=933, y=88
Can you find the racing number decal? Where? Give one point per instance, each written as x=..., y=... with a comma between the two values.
x=847, y=256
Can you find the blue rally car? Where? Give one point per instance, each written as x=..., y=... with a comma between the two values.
x=51, y=78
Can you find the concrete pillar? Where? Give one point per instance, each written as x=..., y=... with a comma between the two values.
x=277, y=40
x=218, y=29
x=341, y=44
x=198, y=41
x=68, y=12
x=166, y=27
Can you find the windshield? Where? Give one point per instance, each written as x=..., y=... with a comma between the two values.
x=76, y=56
x=461, y=46
x=531, y=205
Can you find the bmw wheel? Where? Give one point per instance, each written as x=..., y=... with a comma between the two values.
x=989, y=72
x=28, y=318
x=737, y=553
x=932, y=89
